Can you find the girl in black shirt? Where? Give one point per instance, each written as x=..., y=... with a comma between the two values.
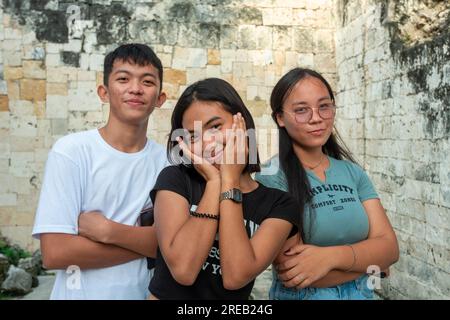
x=217, y=228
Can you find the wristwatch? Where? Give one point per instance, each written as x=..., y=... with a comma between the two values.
x=232, y=194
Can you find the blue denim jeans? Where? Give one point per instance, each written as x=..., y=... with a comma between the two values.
x=352, y=290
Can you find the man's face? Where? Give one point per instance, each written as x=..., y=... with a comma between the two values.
x=132, y=92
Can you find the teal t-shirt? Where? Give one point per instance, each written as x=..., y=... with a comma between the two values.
x=335, y=215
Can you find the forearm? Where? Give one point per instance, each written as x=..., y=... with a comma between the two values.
x=381, y=252
x=60, y=251
x=141, y=240
x=192, y=243
x=235, y=245
x=335, y=278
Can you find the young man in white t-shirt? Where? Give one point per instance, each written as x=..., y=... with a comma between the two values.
x=108, y=173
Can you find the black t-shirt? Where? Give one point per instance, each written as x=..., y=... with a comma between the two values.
x=258, y=205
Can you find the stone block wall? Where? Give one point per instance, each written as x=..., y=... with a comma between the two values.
x=389, y=62
x=51, y=60
x=394, y=93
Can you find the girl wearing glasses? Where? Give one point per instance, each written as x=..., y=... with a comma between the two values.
x=346, y=234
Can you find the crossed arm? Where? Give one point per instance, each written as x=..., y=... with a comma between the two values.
x=100, y=243
x=306, y=265
x=331, y=279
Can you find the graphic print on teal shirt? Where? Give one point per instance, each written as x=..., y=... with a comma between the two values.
x=336, y=215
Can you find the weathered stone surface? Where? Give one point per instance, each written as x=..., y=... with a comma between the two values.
x=175, y=76
x=70, y=58
x=4, y=103
x=392, y=75
x=33, y=266
x=57, y=89
x=33, y=90
x=13, y=73
x=388, y=62
x=420, y=21
x=18, y=281
x=34, y=69
x=213, y=56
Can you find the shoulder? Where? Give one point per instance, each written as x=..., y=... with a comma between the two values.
x=74, y=140
x=273, y=161
x=277, y=196
x=282, y=205
x=172, y=178
x=74, y=144
x=178, y=174
x=157, y=155
x=271, y=174
x=156, y=148
x=172, y=170
x=348, y=167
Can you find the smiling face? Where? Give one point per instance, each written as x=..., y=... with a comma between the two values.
x=308, y=92
x=133, y=92
x=207, y=122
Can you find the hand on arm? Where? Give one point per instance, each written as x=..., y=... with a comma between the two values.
x=379, y=249
x=95, y=226
x=304, y=266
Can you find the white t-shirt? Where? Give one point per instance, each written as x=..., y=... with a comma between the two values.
x=84, y=173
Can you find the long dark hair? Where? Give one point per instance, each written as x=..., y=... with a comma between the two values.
x=217, y=90
x=297, y=180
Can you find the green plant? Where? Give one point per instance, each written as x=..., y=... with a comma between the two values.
x=14, y=254
x=3, y=243
x=5, y=296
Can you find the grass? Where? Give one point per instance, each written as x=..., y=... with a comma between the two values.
x=5, y=296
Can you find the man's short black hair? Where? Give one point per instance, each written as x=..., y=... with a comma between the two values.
x=134, y=53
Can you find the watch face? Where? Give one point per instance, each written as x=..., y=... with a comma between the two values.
x=237, y=195
x=233, y=194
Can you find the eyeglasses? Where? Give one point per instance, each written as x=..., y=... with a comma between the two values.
x=304, y=114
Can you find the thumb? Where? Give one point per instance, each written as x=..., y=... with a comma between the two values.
x=297, y=249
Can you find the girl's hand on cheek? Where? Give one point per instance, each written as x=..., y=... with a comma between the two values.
x=235, y=152
x=206, y=169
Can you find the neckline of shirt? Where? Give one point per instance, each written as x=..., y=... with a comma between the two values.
x=311, y=173
x=110, y=148
x=253, y=191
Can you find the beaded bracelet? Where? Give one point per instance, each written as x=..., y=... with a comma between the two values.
x=204, y=215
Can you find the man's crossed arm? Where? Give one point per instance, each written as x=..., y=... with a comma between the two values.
x=100, y=243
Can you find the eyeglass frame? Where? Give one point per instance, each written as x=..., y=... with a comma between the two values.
x=334, y=107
